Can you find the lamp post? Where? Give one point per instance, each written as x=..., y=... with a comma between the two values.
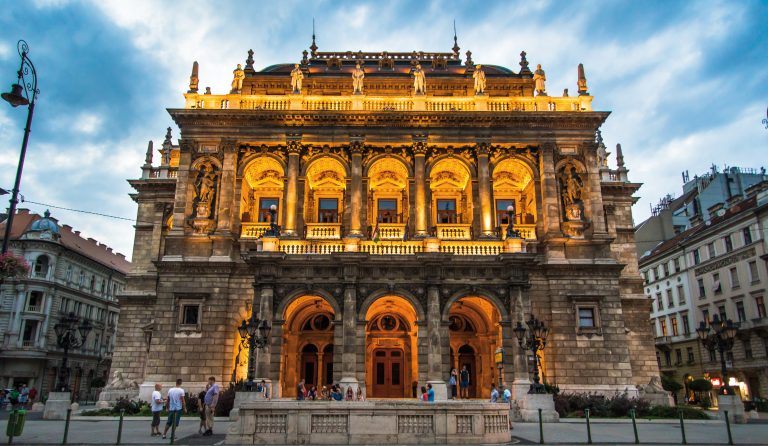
x=274, y=230
x=23, y=92
x=255, y=333
x=69, y=335
x=511, y=231
x=719, y=335
x=533, y=338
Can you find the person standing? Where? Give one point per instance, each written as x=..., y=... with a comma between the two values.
x=430, y=393
x=452, y=382
x=201, y=429
x=507, y=395
x=211, y=399
x=300, y=391
x=176, y=404
x=494, y=393
x=32, y=394
x=23, y=396
x=464, y=388
x=157, y=407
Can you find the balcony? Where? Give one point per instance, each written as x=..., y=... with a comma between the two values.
x=454, y=231
x=33, y=308
x=527, y=232
x=663, y=342
x=391, y=231
x=28, y=344
x=394, y=247
x=253, y=230
x=323, y=231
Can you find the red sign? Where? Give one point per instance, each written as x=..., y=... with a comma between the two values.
x=716, y=382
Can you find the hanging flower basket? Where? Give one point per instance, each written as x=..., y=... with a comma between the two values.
x=12, y=266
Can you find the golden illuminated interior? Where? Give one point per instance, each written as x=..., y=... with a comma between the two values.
x=513, y=184
x=263, y=180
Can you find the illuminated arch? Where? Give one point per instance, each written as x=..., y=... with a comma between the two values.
x=514, y=183
x=263, y=180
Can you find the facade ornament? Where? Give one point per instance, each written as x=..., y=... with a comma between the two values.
x=296, y=77
x=304, y=59
x=237, y=81
x=539, y=79
x=386, y=62
x=469, y=61
x=571, y=187
x=479, y=77
x=119, y=382
x=419, y=81
x=524, y=70
x=148, y=157
x=357, y=79
x=565, y=92
x=582, y=82
x=619, y=157
x=205, y=197
x=194, y=80
x=249, y=60
x=167, y=147
x=602, y=152
x=207, y=90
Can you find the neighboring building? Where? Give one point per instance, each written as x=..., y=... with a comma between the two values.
x=392, y=265
x=723, y=271
x=68, y=274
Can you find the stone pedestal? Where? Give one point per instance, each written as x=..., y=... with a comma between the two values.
x=145, y=391
x=440, y=389
x=431, y=244
x=270, y=244
x=513, y=244
x=38, y=407
x=247, y=397
x=529, y=410
x=56, y=406
x=349, y=382
x=734, y=406
x=658, y=399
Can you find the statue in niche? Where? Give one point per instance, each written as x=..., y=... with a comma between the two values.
x=205, y=190
x=419, y=80
x=357, y=79
x=237, y=81
x=479, y=76
x=296, y=77
x=539, y=79
x=571, y=187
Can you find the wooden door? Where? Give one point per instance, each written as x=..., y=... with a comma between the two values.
x=388, y=373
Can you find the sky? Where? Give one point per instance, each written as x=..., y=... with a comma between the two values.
x=686, y=82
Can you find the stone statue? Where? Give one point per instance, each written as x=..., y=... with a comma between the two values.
x=539, y=79
x=194, y=80
x=237, y=81
x=120, y=383
x=571, y=186
x=654, y=393
x=206, y=184
x=296, y=77
x=419, y=81
x=357, y=79
x=479, y=76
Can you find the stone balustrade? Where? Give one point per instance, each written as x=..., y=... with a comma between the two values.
x=455, y=231
x=323, y=231
x=399, y=247
x=253, y=230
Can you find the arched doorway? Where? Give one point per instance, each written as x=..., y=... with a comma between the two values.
x=391, y=352
x=467, y=359
x=307, y=351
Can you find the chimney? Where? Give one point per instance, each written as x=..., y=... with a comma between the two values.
x=109, y=249
x=22, y=211
x=122, y=256
x=77, y=233
x=714, y=209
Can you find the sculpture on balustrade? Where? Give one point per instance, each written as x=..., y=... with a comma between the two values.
x=419, y=80
x=194, y=80
x=602, y=152
x=539, y=79
x=296, y=77
x=357, y=79
x=237, y=81
x=479, y=76
x=571, y=186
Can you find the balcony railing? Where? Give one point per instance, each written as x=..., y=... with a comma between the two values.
x=456, y=231
x=391, y=248
x=398, y=247
x=27, y=344
x=527, y=232
x=253, y=230
x=391, y=231
x=475, y=248
x=33, y=308
x=323, y=231
x=310, y=247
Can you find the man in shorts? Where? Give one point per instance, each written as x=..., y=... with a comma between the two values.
x=211, y=399
x=157, y=407
x=464, y=388
x=176, y=403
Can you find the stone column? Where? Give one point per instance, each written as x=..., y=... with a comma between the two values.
x=419, y=161
x=263, y=301
x=292, y=188
x=319, y=379
x=356, y=186
x=21, y=297
x=349, y=364
x=434, y=347
x=43, y=333
x=226, y=203
x=550, y=211
x=484, y=185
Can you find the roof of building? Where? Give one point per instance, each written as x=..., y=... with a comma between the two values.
x=25, y=221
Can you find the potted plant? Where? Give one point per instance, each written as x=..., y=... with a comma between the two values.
x=12, y=266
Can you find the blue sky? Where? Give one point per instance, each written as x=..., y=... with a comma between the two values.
x=687, y=82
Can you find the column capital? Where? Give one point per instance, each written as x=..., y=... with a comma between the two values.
x=483, y=147
x=356, y=145
x=293, y=147
x=228, y=145
x=420, y=148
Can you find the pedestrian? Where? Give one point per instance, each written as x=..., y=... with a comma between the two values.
x=423, y=393
x=452, y=382
x=13, y=397
x=23, y=396
x=157, y=408
x=312, y=395
x=430, y=393
x=324, y=395
x=263, y=388
x=176, y=404
x=300, y=391
x=336, y=394
x=201, y=411
x=507, y=395
x=494, y=393
x=211, y=399
x=32, y=394
x=464, y=388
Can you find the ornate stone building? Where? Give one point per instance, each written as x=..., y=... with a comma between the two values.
x=391, y=175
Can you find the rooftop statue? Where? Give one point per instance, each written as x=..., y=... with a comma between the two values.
x=237, y=81
x=357, y=79
x=479, y=77
x=539, y=77
x=419, y=81
x=296, y=77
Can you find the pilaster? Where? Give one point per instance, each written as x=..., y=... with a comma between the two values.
x=291, y=189
x=484, y=185
x=419, y=163
x=356, y=193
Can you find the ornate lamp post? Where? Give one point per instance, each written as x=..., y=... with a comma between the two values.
x=274, y=230
x=534, y=338
x=255, y=334
x=23, y=92
x=69, y=335
x=511, y=231
x=719, y=335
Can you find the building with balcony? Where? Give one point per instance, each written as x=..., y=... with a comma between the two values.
x=392, y=264
x=68, y=274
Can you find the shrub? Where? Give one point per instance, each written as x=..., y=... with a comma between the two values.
x=97, y=413
x=670, y=385
x=619, y=405
x=705, y=403
x=700, y=385
x=12, y=266
x=689, y=413
x=129, y=406
x=226, y=402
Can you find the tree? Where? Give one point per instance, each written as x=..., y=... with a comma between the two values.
x=670, y=385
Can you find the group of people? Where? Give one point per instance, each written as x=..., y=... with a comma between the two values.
x=334, y=393
x=176, y=403
x=19, y=397
x=459, y=381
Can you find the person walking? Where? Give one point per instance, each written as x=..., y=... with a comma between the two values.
x=506, y=395
x=176, y=404
x=452, y=382
x=157, y=407
x=201, y=410
x=430, y=393
x=464, y=388
x=211, y=399
x=494, y=393
x=300, y=391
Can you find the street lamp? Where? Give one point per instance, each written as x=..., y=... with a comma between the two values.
x=274, y=230
x=23, y=92
x=723, y=331
x=511, y=231
x=534, y=338
x=69, y=335
x=255, y=333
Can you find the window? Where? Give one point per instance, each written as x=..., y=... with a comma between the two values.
x=502, y=216
x=681, y=295
x=264, y=205
x=689, y=352
x=190, y=315
x=734, y=277
x=753, y=276
x=747, y=348
x=670, y=299
x=665, y=266
x=29, y=334
x=712, y=355
x=678, y=356
x=328, y=210
x=645, y=276
x=653, y=274
x=446, y=211
x=673, y=320
x=34, y=301
x=668, y=358
x=705, y=315
x=663, y=326
x=587, y=317
x=702, y=290
x=68, y=274
x=747, y=235
x=721, y=312
x=659, y=302
x=740, y=311
x=41, y=267
x=711, y=250
x=103, y=286
x=660, y=272
x=717, y=287
x=76, y=308
x=658, y=359
x=82, y=278
x=387, y=210
x=677, y=264
x=760, y=305
x=728, y=243
x=686, y=324
x=93, y=282
x=696, y=256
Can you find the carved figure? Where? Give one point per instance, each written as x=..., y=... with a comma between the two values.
x=237, y=81
x=193, y=79
x=571, y=185
x=654, y=386
x=479, y=76
x=296, y=77
x=419, y=81
x=206, y=184
x=602, y=155
x=120, y=383
x=539, y=79
x=357, y=79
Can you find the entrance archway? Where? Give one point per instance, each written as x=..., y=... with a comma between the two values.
x=391, y=351
x=308, y=370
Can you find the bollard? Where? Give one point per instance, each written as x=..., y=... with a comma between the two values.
x=66, y=427
x=682, y=427
x=728, y=427
x=634, y=425
x=11, y=426
x=589, y=428
x=541, y=429
x=120, y=426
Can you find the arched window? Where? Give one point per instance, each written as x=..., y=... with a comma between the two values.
x=41, y=266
